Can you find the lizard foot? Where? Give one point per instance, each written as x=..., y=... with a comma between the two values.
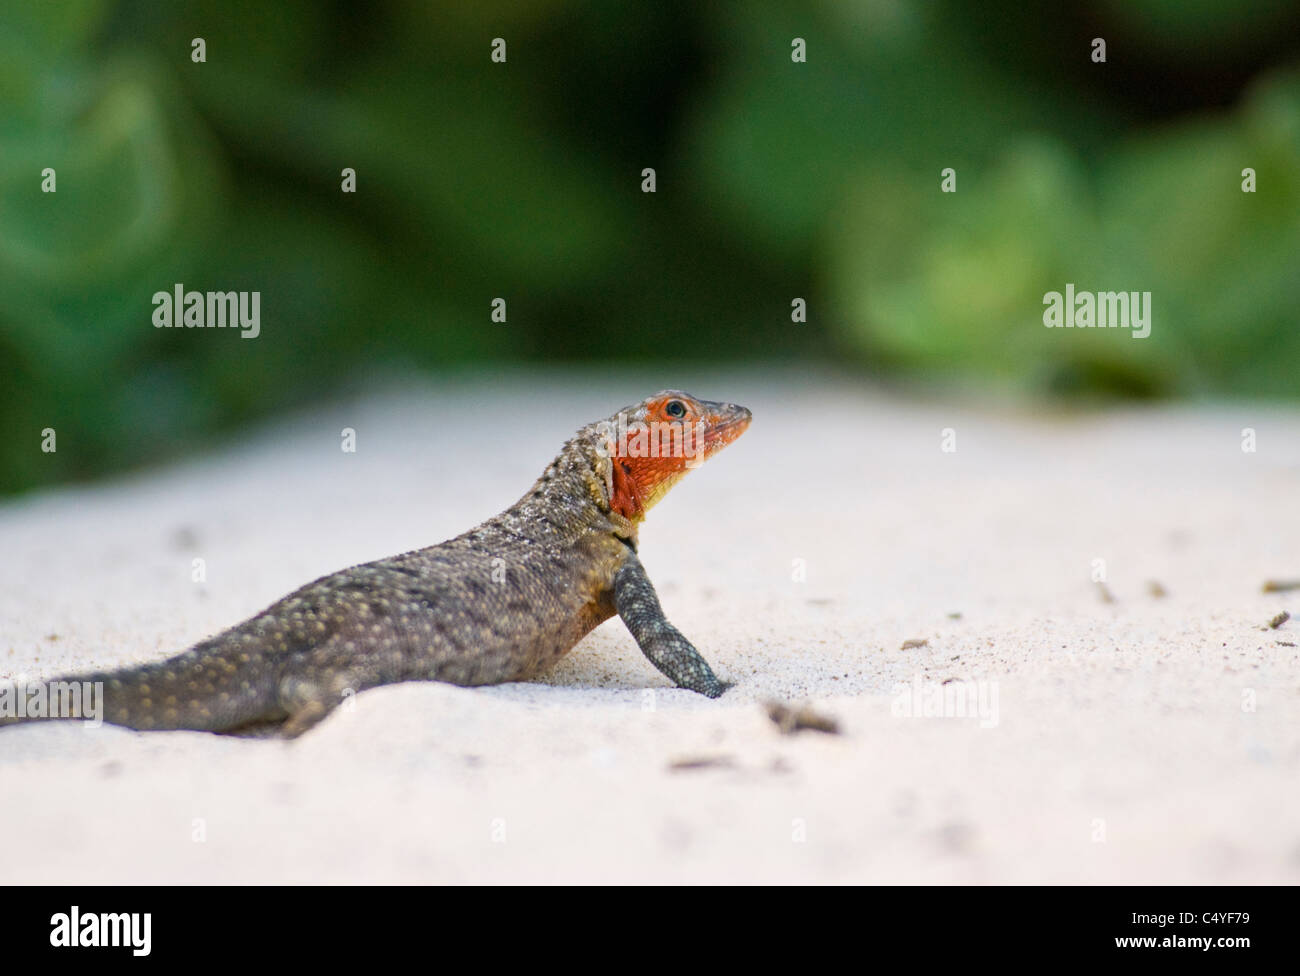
x=306, y=702
x=303, y=719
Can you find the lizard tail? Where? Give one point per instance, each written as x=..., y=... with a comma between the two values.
x=199, y=689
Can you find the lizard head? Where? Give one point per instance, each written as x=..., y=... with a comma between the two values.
x=653, y=444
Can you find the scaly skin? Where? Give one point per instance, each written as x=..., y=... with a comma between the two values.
x=502, y=602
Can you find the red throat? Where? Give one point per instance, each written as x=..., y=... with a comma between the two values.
x=635, y=479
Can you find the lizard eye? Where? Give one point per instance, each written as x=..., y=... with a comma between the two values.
x=675, y=408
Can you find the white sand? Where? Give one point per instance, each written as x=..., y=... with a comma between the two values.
x=1122, y=752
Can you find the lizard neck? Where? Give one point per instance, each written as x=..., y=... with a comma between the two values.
x=580, y=489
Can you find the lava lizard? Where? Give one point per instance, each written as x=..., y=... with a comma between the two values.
x=502, y=602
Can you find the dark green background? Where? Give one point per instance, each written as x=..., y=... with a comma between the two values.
x=522, y=180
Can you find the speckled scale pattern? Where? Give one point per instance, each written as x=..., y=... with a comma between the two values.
x=501, y=602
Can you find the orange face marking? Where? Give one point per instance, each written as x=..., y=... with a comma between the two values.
x=672, y=434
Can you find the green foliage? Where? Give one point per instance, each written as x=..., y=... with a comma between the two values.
x=955, y=282
x=477, y=180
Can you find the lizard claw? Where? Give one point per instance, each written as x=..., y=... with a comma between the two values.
x=716, y=689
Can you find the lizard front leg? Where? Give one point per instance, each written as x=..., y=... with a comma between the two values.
x=660, y=641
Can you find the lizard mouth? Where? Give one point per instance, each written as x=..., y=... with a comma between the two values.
x=721, y=433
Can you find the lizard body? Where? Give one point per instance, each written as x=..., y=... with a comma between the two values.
x=501, y=602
